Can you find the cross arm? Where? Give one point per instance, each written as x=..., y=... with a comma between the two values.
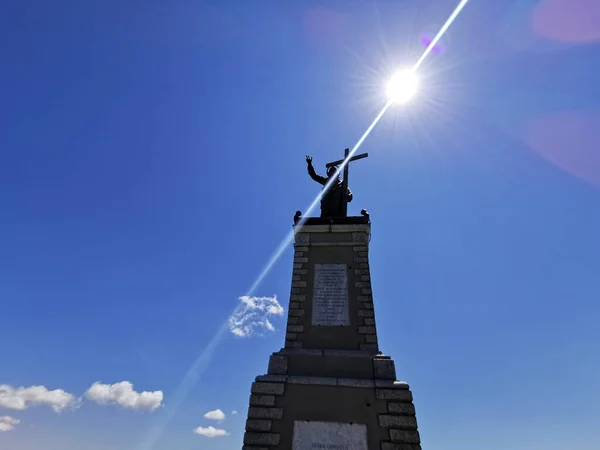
x=354, y=158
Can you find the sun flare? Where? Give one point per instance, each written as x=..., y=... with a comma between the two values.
x=402, y=86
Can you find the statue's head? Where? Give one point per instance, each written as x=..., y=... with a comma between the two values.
x=331, y=171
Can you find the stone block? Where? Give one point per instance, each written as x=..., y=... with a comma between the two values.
x=401, y=422
x=359, y=237
x=364, y=298
x=278, y=365
x=364, y=291
x=269, y=439
x=299, y=284
x=298, y=254
x=302, y=351
x=265, y=413
x=371, y=338
x=405, y=436
x=389, y=384
x=397, y=446
x=262, y=400
x=367, y=305
x=363, y=254
x=361, y=272
x=370, y=322
x=366, y=330
x=268, y=388
x=403, y=395
x=293, y=344
x=362, y=248
x=296, y=313
x=357, y=259
x=296, y=278
x=384, y=369
x=297, y=266
x=293, y=320
x=297, y=298
x=363, y=265
x=301, y=260
x=365, y=313
x=402, y=409
x=300, y=272
x=355, y=382
x=291, y=336
x=301, y=249
x=295, y=328
x=362, y=284
x=323, y=381
x=259, y=425
x=373, y=348
x=294, y=305
x=365, y=278
x=295, y=290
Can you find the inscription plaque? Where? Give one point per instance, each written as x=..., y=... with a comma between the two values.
x=330, y=295
x=310, y=435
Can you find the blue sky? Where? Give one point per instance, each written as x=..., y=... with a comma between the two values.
x=152, y=159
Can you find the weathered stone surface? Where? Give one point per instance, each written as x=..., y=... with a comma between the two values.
x=295, y=328
x=401, y=422
x=359, y=237
x=278, y=365
x=370, y=322
x=362, y=248
x=362, y=284
x=290, y=336
x=361, y=272
x=262, y=400
x=302, y=351
x=403, y=409
x=301, y=249
x=365, y=291
x=297, y=266
x=405, y=436
x=365, y=278
x=345, y=353
x=251, y=438
x=271, y=378
x=250, y=447
x=371, y=338
x=355, y=382
x=371, y=347
x=384, y=369
x=296, y=312
x=298, y=254
x=293, y=344
x=264, y=413
x=295, y=290
x=301, y=260
x=297, y=298
x=394, y=394
x=299, y=284
x=259, y=425
x=296, y=277
x=365, y=254
x=397, y=446
x=357, y=259
x=365, y=313
x=300, y=272
x=294, y=305
x=367, y=305
x=366, y=330
x=364, y=265
x=326, y=381
x=364, y=298
x=293, y=320
x=268, y=388
x=391, y=384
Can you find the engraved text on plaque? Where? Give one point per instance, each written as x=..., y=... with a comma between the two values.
x=330, y=296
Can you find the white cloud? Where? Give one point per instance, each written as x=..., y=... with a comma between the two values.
x=217, y=414
x=253, y=315
x=7, y=423
x=123, y=394
x=23, y=397
x=210, y=432
x=234, y=413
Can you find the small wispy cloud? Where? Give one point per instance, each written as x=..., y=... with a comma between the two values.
x=253, y=315
x=7, y=423
x=217, y=414
x=210, y=432
x=123, y=394
x=234, y=413
x=22, y=398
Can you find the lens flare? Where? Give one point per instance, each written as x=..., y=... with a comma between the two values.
x=402, y=86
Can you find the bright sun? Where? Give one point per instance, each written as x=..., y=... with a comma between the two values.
x=402, y=86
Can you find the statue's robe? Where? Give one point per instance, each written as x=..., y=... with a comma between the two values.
x=332, y=204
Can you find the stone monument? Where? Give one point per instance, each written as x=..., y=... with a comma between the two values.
x=330, y=387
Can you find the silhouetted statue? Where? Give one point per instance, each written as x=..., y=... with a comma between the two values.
x=334, y=200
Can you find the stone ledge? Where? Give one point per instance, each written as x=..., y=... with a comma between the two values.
x=400, y=422
x=268, y=388
x=300, y=352
x=397, y=446
x=405, y=436
x=255, y=412
x=324, y=381
x=269, y=439
x=355, y=382
x=332, y=244
x=271, y=378
x=259, y=425
x=250, y=447
x=394, y=394
x=392, y=384
x=355, y=353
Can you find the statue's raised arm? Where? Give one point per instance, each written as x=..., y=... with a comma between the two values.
x=311, y=171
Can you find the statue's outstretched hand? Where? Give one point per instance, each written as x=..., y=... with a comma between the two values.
x=308, y=159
